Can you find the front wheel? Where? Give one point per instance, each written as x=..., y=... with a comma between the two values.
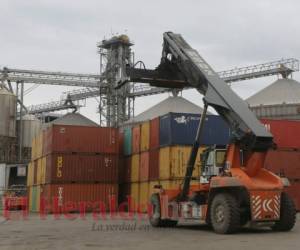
x=225, y=214
x=155, y=217
x=287, y=214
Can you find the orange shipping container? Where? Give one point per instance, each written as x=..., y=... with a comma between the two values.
x=136, y=138
x=145, y=136
x=144, y=167
x=69, y=197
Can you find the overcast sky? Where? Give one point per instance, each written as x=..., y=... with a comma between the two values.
x=58, y=35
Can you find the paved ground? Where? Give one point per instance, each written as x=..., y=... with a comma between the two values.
x=63, y=233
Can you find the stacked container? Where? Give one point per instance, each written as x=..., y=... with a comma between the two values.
x=160, y=149
x=73, y=164
x=285, y=160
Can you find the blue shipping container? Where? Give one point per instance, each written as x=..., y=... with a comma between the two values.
x=181, y=129
x=127, y=141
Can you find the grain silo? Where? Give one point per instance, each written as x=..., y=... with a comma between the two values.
x=280, y=100
x=7, y=124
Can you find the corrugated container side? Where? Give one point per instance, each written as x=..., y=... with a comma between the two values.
x=154, y=164
x=35, y=166
x=124, y=192
x=39, y=171
x=121, y=141
x=144, y=166
x=134, y=195
x=135, y=165
x=44, y=167
x=154, y=133
x=127, y=172
x=81, y=139
x=143, y=197
x=284, y=162
x=39, y=144
x=127, y=146
x=67, y=168
x=175, y=184
x=173, y=162
x=136, y=139
x=76, y=194
x=34, y=199
x=145, y=136
x=30, y=174
x=180, y=129
x=286, y=133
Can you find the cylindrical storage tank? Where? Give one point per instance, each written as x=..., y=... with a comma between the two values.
x=7, y=113
x=30, y=128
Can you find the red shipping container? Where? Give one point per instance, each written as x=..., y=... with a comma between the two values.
x=124, y=170
x=286, y=133
x=67, y=168
x=62, y=196
x=154, y=133
x=154, y=165
x=144, y=166
x=121, y=141
x=293, y=192
x=80, y=139
x=284, y=162
x=136, y=135
x=124, y=192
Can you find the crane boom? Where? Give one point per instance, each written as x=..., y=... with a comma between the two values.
x=178, y=55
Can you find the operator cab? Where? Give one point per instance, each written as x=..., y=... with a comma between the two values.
x=213, y=163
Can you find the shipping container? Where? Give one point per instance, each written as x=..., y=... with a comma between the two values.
x=80, y=139
x=35, y=164
x=134, y=195
x=70, y=197
x=145, y=136
x=286, y=133
x=144, y=166
x=135, y=165
x=30, y=174
x=284, y=162
x=293, y=192
x=143, y=197
x=121, y=141
x=136, y=139
x=127, y=145
x=39, y=144
x=173, y=162
x=34, y=198
x=124, y=192
x=41, y=171
x=154, y=133
x=81, y=168
x=181, y=129
x=154, y=165
x=125, y=177
x=176, y=184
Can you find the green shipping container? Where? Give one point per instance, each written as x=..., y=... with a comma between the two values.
x=127, y=141
x=34, y=199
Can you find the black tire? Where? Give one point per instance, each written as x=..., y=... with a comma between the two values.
x=287, y=214
x=225, y=214
x=155, y=218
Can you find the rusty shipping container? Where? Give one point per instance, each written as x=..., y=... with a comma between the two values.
x=154, y=133
x=286, y=133
x=71, y=196
x=84, y=168
x=136, y=139
x=154, y=165
x=284, y=162
x=293, y=192
x=144, y=166
x=80, y=139
x=145, y=136
x=125, y=170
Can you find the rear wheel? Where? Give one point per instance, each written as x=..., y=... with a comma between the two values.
x=155, y=217
x=225, y=214
x=287, y=214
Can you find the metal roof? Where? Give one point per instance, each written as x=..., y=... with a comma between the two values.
x=171, y=104
x=282, y=91
x=75, y=119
